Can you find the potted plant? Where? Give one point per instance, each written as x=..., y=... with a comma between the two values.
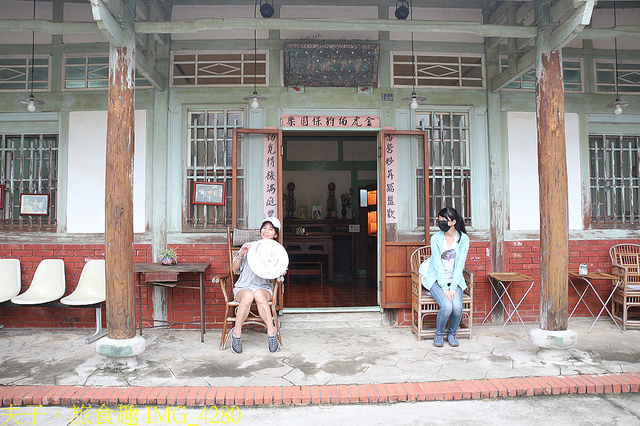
x=169, y=256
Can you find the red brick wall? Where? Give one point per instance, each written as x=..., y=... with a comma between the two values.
x=524, y=257
x=184, y=301
x=521, y=256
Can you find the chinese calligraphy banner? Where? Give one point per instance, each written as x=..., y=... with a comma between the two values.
x=270, y=168
x=330, y=121
x=390, y=173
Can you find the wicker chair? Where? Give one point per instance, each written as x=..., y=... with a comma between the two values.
x=235, y=240
x=625, y=259
x=424, y=308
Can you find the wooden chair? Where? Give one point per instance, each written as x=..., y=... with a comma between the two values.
x=235, y=240
x=625, y=259
x=424, y=308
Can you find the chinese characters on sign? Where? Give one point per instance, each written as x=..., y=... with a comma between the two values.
x=330, y=121
x=270, y=175
x=390, y=179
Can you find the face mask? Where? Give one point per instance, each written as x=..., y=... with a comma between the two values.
x=443, y=225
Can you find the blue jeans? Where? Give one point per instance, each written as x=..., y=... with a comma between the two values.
x=450, y=310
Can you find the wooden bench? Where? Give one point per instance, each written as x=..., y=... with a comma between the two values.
x=305, y=268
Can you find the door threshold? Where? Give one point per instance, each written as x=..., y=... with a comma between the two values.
x=330, y=310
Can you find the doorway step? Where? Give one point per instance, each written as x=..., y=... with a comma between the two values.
x=329, y=319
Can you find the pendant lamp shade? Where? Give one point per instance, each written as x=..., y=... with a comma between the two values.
x=254, y=98
x=414, y=99
x=31, y=101
x=617, y=104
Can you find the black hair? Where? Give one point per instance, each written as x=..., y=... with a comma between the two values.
x=274, y=227
x=451, y=214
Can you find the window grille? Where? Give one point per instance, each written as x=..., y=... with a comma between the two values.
x=437, y=71
x=91, y=72
x=219, y=69
x=449, y=171
x=628, y=76
x=210, y=159
x=15, y=73
x=571, y=75
x=29, y=165
x=615, y=183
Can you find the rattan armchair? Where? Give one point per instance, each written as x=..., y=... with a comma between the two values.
x=625, y=303
x=424, y=308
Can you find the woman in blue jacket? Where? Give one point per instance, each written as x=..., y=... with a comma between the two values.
x=444, y=279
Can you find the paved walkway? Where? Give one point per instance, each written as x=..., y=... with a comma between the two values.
x=316, y=366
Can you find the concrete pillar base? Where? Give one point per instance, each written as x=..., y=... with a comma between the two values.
x=121, y=353
x=553, y=344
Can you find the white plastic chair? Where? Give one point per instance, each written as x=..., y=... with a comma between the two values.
x=10, y=280
x=91, y=289
x=48, y=284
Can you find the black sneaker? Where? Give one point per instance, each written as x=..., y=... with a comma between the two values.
x=274, y=344
x=236, y=343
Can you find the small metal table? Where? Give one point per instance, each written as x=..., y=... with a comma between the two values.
x=587, y=278
x=167, y=276
x=500, y=278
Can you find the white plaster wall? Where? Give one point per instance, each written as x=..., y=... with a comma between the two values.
x=524, y=212
x=439, y=14
x=87, y=167
x=191, y=12
x=24, y=10
x=311, y=188
x=325, y=12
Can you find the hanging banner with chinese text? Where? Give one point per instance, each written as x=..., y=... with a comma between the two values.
x=269, y=155
x=390, y=176
x=330, y=121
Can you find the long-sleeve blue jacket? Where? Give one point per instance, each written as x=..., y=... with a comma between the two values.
x=435, y=273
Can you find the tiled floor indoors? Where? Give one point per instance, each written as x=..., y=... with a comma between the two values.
x=347, y=292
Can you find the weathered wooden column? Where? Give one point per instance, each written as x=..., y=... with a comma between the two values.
x=119, y=194
x=122, y=345
x=552, y=174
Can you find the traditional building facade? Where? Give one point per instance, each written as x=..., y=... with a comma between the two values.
x=335, y=75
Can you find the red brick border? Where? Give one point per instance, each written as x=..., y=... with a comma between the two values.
x=323, y=394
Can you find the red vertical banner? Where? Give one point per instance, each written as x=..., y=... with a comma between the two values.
x=390, y=176
x=270, y=168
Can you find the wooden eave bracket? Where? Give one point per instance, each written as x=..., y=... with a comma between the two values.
x=107, y=23
x=582, y=11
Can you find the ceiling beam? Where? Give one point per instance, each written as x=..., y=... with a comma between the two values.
x=194, y=26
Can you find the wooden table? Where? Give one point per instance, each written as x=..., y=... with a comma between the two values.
x=167, y=276
x=500, y=278
x=587, y=278
x=311, y=245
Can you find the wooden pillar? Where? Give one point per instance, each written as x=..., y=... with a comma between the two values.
x=119, y=193
x=552, y=174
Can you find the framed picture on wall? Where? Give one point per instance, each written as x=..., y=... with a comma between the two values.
x=34, y=204
x=316, y=213
x=211, y=193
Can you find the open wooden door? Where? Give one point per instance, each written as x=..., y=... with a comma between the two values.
x=271, y=177
x=403, y=224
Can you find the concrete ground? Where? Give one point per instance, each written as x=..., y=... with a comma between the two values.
x=320, y=367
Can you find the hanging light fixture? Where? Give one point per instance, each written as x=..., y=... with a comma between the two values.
x=266, y=10
x=413, y=99
x=617, y=104
x=402, y=10
x=254, y=98
x=31, y=101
